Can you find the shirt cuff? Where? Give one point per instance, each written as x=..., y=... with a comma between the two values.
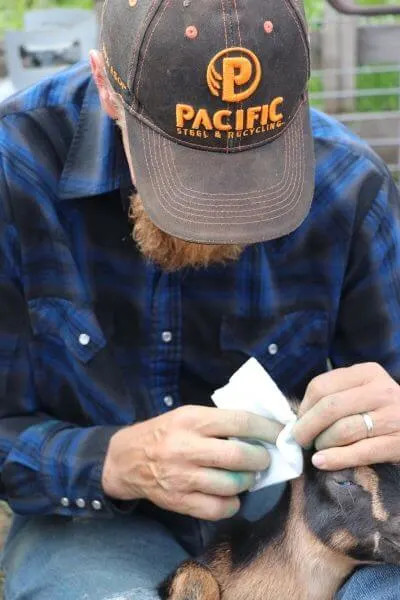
x=56, y=468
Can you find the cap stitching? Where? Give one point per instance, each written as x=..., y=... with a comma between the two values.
x=234, y=199
x=147, y=47
x=169, y=180
x=304, y=27
x=244, y=193
x=139, y=38
x=226, y=46
x=241, y=45
x=292, y=190
x=303, y=34
x=294, y=133
x=280, y=191
x=297, y=179
x=223, y=17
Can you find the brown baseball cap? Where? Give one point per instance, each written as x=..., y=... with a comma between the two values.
x=215, y=94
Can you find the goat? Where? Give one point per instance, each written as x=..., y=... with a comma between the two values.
x=325, y=525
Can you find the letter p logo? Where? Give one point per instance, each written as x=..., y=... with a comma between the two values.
x=237, y=71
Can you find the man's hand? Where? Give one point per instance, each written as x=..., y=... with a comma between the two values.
x=181, y=461
x=331, y=417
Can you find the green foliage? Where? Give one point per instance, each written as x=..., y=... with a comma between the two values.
x=378, y=81
x=314, y=9
x=12, y=11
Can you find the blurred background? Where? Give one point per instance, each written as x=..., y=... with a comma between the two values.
x=356, y=59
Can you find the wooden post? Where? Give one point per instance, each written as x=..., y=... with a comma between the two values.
x=348, y=60
x=338, y=52
x=330, y=57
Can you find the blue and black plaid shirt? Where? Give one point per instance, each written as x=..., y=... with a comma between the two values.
x=93, y=337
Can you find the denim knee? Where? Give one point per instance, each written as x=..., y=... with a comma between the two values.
x=372, y=583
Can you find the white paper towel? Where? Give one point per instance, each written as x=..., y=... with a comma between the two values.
x=252, y=389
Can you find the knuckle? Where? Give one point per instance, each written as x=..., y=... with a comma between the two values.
x=241, y=421
x=346, y=429
x=330, y=405
x=391, y=393
x=372, y=368
x=315, y=388
x=377, y=367
x=217, y=461
x=184, y=414
x=234, y=456
x=178, y=499
x=180, y=502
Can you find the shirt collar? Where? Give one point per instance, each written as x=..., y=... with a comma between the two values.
x=96, y=162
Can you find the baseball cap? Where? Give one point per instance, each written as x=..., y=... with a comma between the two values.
x=215, y=95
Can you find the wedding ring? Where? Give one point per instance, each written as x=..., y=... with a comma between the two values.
x=369, y=424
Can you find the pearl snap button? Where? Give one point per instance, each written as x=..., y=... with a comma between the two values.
x=64, y=502
x=273, y=349
x=80, y=503
x=168, y=401
x=166, y=337
x=84, y=339
x=96, y=505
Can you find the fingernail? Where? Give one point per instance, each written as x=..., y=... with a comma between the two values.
x=318, y=460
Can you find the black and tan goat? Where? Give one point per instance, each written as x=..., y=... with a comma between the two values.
x=325, y=524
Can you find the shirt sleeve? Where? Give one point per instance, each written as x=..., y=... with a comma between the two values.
x=47, y=466
x=368, y=323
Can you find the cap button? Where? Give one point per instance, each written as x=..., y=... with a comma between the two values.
x=268, y=27
x=191, y=32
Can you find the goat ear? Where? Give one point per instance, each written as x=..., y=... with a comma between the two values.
x=191, y=581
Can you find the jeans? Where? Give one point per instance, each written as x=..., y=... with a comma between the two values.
x=54, y=558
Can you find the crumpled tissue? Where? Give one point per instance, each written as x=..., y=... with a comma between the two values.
x=252, y=389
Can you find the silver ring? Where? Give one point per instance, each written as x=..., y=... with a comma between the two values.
x=369, y=424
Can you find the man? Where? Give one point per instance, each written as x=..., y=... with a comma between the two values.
x=113, y=457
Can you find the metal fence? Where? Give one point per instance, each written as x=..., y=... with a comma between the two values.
x=356, y=77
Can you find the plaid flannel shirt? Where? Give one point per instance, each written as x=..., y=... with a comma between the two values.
x=93, y=337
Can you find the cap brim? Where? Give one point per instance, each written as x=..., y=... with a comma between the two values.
x=215, y=197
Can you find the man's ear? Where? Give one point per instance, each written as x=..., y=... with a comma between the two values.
x=106, y=93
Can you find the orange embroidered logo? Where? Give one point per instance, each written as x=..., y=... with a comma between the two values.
x=236, y=71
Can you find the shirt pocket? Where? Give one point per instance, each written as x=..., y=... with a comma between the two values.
x=292, y=348
x=75, y=370
x=75, y=326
